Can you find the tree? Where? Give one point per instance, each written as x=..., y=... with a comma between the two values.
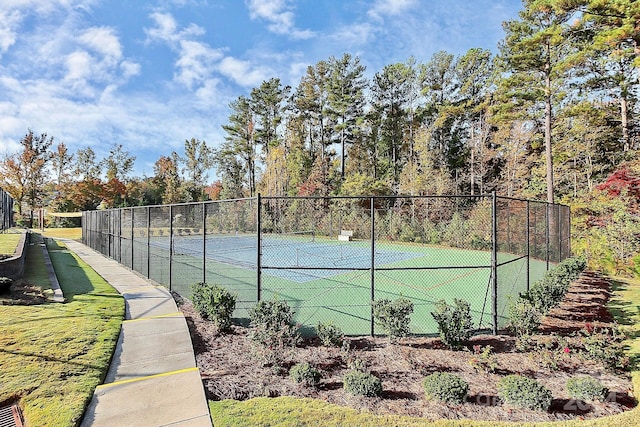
x=267, y=105
x=24, y=174
x=610, y=54
x=536, y=52
x=241, y=139
x=391, y=91
x=309, y=106
x=167, y=178
x=86, y=165
x=61, y=162
x=198, y=160
x=118, y=164
x=438, y=86
x=346, y=102
x=474, y=72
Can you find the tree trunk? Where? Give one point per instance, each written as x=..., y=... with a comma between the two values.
x=624, y=118
x=547, y=129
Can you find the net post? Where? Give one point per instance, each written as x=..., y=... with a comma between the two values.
x=373, y=262
x=259, y=254
x=494, y=263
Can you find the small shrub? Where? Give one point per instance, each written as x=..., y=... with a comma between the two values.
x=393, y=316
x=361, y=383
x=214, y=303
x=454, y=322
x=586, y=388
x=273, y=332
x=524, y=392
x=303, y=373
x=606, y=346
x=524, y=318
x=550, y=352
x=329, y=334
x=483, y=359
x=446, y=387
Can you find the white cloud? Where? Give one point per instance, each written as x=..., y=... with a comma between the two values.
x=166, y=29
x=390, y=7
x=79, y=64
x=129, y=69
x=279, y=14
x=104, y=41
x=196, y=62
x=355, y=34
x=9, y=21
x=242, y=72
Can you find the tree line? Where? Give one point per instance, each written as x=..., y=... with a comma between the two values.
x=552, y=114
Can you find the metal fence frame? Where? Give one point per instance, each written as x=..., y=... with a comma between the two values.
x=525, y=229
x=6, y=210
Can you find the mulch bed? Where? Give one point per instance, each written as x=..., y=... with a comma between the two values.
x=231, y=370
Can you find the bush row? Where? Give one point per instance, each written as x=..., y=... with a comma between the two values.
x=547, y=292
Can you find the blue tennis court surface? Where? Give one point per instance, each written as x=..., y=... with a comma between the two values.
x=300, y=258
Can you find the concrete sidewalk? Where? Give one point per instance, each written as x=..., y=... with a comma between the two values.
x=153, y=379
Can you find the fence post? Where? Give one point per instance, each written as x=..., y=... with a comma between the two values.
x=204, y=242
x=120, y=235
x=148, y=242
x=373, y=260
x=170, y=244
x=494, y=263
x=259, y=260
x=132, y=239
x=528, y=249
x=547, y=236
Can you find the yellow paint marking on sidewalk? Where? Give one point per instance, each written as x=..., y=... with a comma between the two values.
x=175, y=314
x=132, y=380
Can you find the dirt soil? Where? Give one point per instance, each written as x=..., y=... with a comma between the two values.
x=22, y=292
x=231, y=370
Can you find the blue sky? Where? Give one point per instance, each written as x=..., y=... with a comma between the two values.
x=151, y=74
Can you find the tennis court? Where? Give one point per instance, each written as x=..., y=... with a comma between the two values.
x=327, y=280
x=481, y=249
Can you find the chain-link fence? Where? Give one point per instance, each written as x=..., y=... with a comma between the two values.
x=6, y=210
x=329, y=257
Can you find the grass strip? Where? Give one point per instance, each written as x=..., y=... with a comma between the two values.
x=9, y=242
x=52, y=356
x=74, y=233
x=289, y=411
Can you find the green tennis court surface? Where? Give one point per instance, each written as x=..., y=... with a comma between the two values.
x=325, y=280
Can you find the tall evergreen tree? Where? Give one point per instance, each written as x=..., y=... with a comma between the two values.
x=241, y=139
x=391, y=91
x=536, y=51
x=267, y=105
x=346, y=102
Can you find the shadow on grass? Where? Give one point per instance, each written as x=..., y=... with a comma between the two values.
x=626, y=313
x=71, y=275
x=50, y=359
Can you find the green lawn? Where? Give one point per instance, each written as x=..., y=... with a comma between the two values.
x=52, y=356
x=9, y=241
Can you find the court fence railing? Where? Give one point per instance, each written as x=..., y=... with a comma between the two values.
x=330, y=257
